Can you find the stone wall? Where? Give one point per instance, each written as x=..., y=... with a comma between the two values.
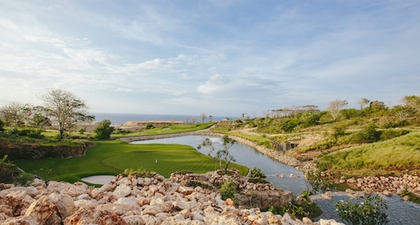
x=387, y=184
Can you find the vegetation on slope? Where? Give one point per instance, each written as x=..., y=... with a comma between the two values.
x=372, y=140
x=395, y=156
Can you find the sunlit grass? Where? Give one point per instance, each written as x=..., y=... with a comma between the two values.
x=170, y=129
x=113, y=157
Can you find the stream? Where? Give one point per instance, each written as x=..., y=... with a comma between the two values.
x=399, y=212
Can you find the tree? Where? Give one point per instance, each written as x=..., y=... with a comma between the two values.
x=203, y=117
x=362, y=102
x=65, y=109
x=335, y=107
x=104, y=130
x=222, y=154
x=412, y=102
x=15, y=114
x=377, y=105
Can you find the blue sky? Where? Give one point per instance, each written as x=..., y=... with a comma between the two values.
x=219, y=57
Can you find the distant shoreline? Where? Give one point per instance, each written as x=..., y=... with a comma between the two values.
x=121, y=118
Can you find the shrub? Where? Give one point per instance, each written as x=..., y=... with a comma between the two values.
x=228, y=190
x=104, y=130
x=10, y=173
x=371, y=211
x=257, y=176
x=389, y=134
x=2, y=123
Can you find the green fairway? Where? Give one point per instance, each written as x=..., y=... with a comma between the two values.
x=113, y=157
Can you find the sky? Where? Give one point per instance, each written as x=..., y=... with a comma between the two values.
x=219, y=57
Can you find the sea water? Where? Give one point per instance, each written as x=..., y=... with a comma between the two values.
x=120, y=118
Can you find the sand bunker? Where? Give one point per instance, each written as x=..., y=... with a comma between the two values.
x=99, y=179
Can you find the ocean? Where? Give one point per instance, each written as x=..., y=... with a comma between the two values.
x=120, y=118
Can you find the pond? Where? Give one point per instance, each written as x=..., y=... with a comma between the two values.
x=247, y=156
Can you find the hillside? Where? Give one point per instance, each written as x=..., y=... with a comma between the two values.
x=374, y=140
x=395, y=156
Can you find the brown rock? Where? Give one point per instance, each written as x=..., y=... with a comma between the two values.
x=229, y=202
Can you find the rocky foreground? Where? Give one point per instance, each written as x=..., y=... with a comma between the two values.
x=134, y=200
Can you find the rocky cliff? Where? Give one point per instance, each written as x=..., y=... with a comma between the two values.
x=127, y=200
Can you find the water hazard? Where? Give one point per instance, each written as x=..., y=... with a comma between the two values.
x=399, y=212
x=250, y=157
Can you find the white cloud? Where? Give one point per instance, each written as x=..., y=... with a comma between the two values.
x=209, y=55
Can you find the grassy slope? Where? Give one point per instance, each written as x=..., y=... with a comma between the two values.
x=113, y=157
x=400, y=154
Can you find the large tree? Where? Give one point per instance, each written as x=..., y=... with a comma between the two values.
x=15, y=114
x=65, y=108
x=335, y=107
x=412, y=101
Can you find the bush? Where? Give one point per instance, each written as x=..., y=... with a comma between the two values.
x=371, y=211
x=10, y=173
x=257, y=176
x=228, y=190
x=389, y=134
x=104, y=130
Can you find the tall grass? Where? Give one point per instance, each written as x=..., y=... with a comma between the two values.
x=398, y=154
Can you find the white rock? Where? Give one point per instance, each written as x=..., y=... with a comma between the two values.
x=122, y=191
x=157, y=201
x=118, y=209
x=127, y=201
x=198, y=216
x=151, y=210
x=77, y=189
x=106, y=188
x=329, y=222
x=84, y=203
x=133, y=219
x=65, y=204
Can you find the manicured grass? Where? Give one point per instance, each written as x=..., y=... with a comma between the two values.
x=400, y=154
x=113, y=157
x=260, y=140
x=167, y=130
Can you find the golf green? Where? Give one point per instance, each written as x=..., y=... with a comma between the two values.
x=113, y=157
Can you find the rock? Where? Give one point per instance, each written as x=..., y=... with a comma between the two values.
x=306, y=220
x=121, y=191
x=406, y=198
x=229, y=202
x=329, y=222
x=44, y=210
x=128, y=200
x=387, y=193
x=327, y=195
x=65, y=204
x=94, y=216
x=351, y=181
x=152, y=210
